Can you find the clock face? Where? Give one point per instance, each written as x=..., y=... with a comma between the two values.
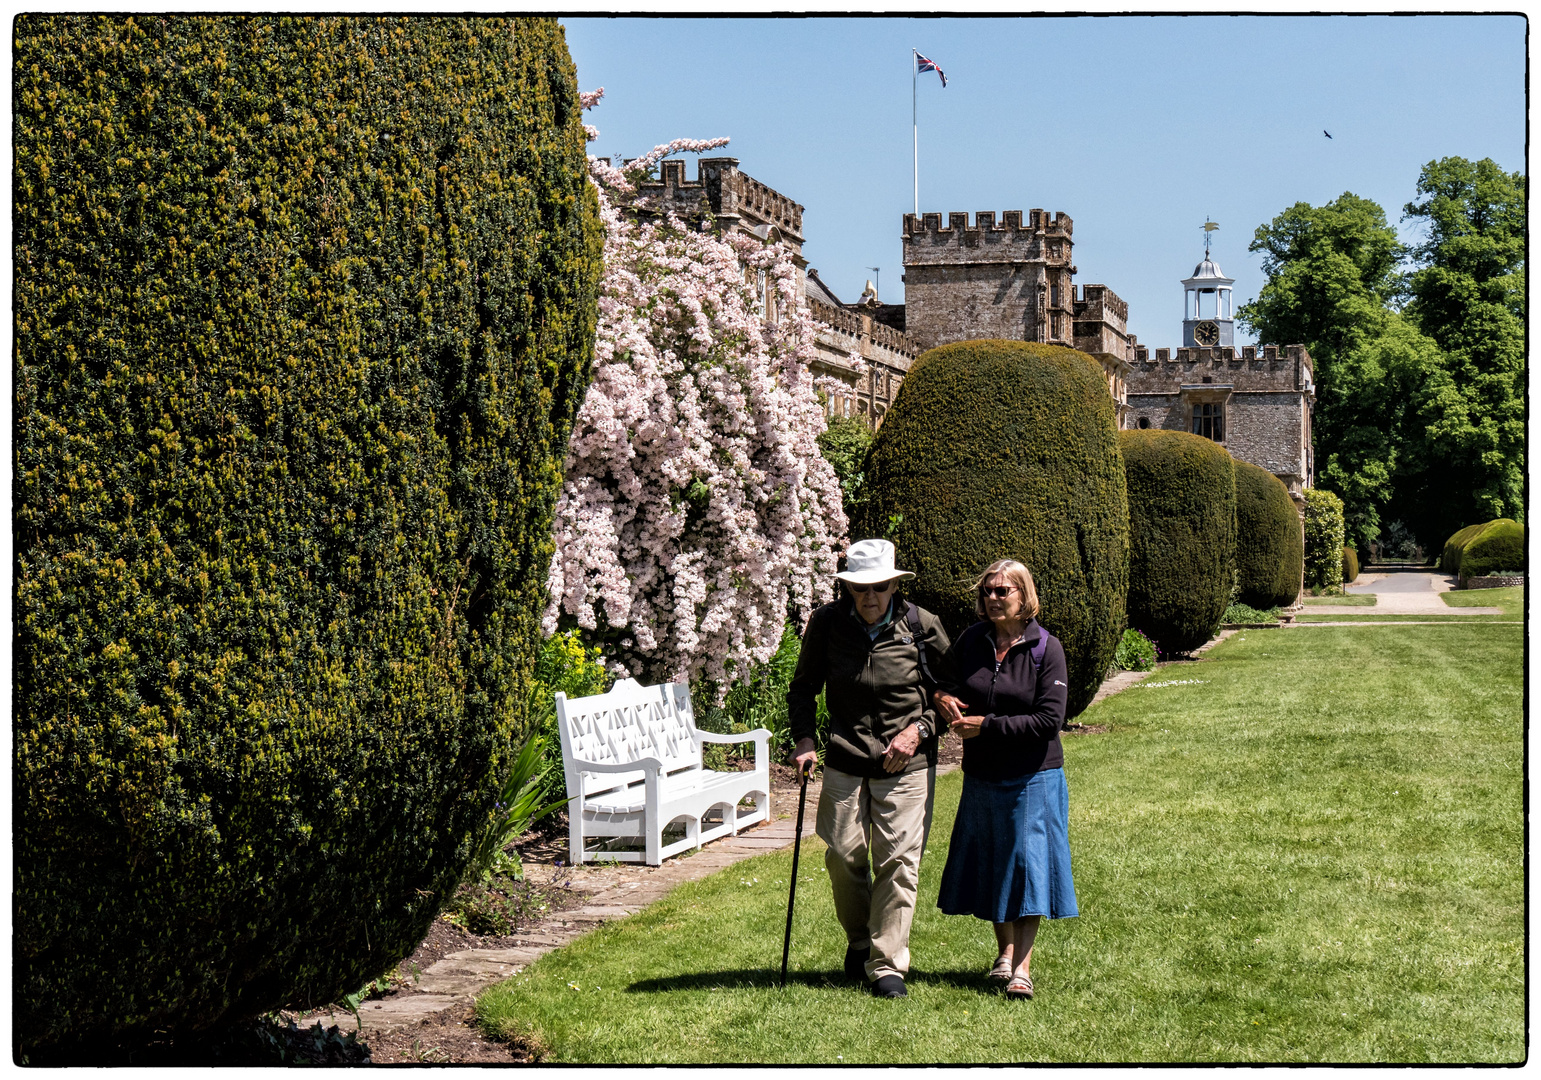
x=1206, y=333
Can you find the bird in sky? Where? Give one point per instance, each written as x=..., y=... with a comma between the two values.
x=1326, y=133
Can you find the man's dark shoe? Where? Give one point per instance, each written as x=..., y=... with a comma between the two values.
x=889, y=986
x=856, y=963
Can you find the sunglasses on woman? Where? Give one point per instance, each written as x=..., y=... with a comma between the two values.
x=881, y=587
x=1000, y=592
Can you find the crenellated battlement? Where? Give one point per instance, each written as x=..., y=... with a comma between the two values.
x=1097, y=301
x=1035, y=237
x=730, y=195
x=857, y=324
x=1223, y=353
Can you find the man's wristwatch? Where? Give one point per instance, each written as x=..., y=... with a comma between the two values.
x=925, y=730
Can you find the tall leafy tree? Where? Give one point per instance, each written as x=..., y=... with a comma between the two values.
x=1332, y=278
x=1467, y=294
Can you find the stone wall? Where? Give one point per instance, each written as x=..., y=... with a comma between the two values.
x=867, y=356
x=1010, y=280
x=1266, y=393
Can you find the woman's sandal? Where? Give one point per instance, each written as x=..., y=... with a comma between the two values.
x=1001, y=972
x=1020, y=986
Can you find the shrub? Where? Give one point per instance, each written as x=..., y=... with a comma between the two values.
x=1182, y=535
x=1008, y=449
x=564, y=665
x=1269, y=542
x=1246, y=613
x=304, y=308
x=844, y=445
x=1350, y=564
x=1450, y=557
x=757, y=701
x=1499, y=546
x=1324, y=539
x=1136, y=652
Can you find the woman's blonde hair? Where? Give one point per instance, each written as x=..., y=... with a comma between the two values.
x=1019, y=576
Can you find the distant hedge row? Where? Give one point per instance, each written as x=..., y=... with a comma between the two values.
x=1269, y=540
x=303, y=311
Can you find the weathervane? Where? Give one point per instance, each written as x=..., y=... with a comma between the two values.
x=1209, y=227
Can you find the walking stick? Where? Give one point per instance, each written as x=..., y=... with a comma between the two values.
x=797, y=845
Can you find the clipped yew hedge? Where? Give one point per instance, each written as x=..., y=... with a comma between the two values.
x=303, y=310
x=1182, y=535
x=1008, y=449
x=1350, y=564
x=1455, y=547
x=1499, y=546
x=1269, y=541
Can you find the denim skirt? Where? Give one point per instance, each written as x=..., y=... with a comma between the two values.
x=1010, y=850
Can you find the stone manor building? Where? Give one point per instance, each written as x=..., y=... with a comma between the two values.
x=1014, y=278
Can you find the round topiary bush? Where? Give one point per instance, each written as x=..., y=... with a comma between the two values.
x=1455, y=547
x=303, y=309
x=1350, y=564
x=1182, y=535
x=1269, y=541
x=1008, y=449
x=1499, y=546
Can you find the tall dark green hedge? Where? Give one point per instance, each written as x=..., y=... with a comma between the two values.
x=1008, y=449
x=303, y=310
x=1182, y=536
x=1269, y=541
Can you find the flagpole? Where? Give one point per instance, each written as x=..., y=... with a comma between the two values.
x=915, y=122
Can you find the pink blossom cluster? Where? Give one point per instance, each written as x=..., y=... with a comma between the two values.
x=697, y=511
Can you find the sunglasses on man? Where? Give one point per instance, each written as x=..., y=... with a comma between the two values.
x=880, y=587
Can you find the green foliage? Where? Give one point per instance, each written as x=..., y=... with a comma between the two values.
x=1350, y=564
x=1269, y=543
x=1136, y=652
x=1469, y=296
x=759, y=700
x=1419, y=413
x=1182, y=535
x=1246, y=613
x=564, y=665
x=1455, y=547
x=1008, y=449
x=520, y=804
x=1499, y=546
x=1324, y=539
x=844, y=444
x=303, y=310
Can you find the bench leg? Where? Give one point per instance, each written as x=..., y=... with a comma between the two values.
x=574, y=834
x=693, y=832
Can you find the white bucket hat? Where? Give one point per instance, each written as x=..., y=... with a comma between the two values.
x=868, y=562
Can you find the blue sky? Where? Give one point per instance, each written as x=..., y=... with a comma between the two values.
x=1138, y=127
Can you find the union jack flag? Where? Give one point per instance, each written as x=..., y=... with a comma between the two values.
x=928, y=65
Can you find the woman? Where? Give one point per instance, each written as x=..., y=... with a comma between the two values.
x=870, y=652
x=1009, y=861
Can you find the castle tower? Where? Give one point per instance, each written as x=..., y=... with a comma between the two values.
x=1209, y=314
x=1011, y=280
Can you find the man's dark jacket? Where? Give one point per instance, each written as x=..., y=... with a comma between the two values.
x=872, y=688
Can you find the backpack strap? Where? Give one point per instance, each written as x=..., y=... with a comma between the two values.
x=912, y=616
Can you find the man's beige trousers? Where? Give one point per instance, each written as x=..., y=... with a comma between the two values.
x=882, y=824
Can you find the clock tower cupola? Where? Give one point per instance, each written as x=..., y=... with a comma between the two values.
x=1209, y=315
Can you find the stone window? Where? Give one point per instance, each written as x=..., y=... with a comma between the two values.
x=1209, y=421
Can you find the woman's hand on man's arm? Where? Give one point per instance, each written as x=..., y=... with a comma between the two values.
x=950, y=710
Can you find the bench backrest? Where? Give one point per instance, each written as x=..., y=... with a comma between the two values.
x=629, y=722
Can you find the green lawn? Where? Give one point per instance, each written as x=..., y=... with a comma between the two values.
x=1511, y=598
x=1347, y=600
x=1306, y=847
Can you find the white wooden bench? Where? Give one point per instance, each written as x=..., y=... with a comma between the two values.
x=633, y=763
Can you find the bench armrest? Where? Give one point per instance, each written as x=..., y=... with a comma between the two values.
x=647, y=764
x=757, y=735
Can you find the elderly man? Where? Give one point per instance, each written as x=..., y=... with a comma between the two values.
x=872, y=654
